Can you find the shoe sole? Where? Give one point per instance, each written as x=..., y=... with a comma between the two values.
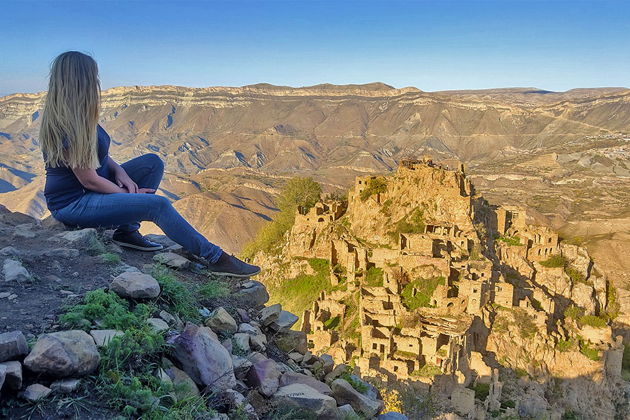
x=139, y=248
x=220, y=273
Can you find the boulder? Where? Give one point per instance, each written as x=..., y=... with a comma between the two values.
x=347, y=412
x=264, y=375
x=241, y=366
x=344, y=393
x=249, y=329
x=291, y=341
x=65, y=386
x=203, y=358
x=258, y=342
x=135, y=285
x=236, y=401
x=12, y=345
x=64, y=353
x=157, y=324
x=304, y=397
x=13, y=372
x=36, y=392
x=172, y=260
x=221, y=321
x=252, y=294
x=328, y=363
x=290, y=377
x=103, y=337
x=14, y=271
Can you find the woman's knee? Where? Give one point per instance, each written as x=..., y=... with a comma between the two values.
x=154, y=161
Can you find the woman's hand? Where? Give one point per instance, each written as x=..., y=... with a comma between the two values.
x=124, y=181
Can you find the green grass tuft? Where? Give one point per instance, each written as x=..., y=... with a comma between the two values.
x=374, y=277
x=554, y=261
x=110, y=258
x=376, y=185
x=424, y=291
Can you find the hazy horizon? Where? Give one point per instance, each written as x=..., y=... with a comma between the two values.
x=434, y=46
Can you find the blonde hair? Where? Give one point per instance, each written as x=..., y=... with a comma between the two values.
x=68, y=135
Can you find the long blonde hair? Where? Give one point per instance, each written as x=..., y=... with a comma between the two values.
x=68, y=131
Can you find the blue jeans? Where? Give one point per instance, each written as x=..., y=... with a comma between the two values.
x=126, y=211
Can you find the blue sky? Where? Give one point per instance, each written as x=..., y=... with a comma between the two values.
x=432, y=45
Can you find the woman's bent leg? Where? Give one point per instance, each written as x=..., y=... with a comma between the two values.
x=146, y=171
x=111, y=210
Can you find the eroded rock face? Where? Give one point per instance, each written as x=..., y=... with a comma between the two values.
x=135, y=285
x=203, y=357
x=63, y=354
x=306, y=398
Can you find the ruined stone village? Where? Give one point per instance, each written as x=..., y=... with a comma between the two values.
x=492, y=288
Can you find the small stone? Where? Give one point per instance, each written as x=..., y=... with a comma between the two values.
x=14, y=271
x=242, y=313
x=289, y=378
x=296, y=357
x=241, y=343
x=241, y=366
x=306, y=398
x=12, y=296
x=36, y=392
x=13, y=372
x=135, y=285
x=221, y=321
x=170, y=319
x=85, y=237
x=61, y=253
x=5, y=295
x=65, y=386
x=9, y=251
x=12, y=345
x=157, y=324
x=24, y=231
x=347, y=412
x=253, y=295
x=227, y=343
x=249, y=329
x=344, y=393
x=103, y=337
x=270, y=314
x=392, y=416
x=285, y=321
x=172, y=260
x=291, y=341
x=185, y=387
x=328, y=362
x=265, y=375
x=258, y=342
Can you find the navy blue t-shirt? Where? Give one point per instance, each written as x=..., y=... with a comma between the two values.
x=63, y=187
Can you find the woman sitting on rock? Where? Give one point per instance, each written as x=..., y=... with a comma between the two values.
x=85, y=187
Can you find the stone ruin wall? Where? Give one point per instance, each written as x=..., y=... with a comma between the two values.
x=444, y=334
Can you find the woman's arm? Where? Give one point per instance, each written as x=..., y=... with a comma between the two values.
x=94, y=182
x=120, y=176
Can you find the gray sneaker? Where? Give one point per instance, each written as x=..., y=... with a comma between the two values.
x=229, y=265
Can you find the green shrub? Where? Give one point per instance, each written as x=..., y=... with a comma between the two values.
x=573, y=312
x=527, y=326
x=332, y=323
x=297, y=193
x=107, y=310
x=175, y=294
x=411, y=223
x=510, y=240
x=110, y=258
x=588, y=351
x=424, y=290
x=481, y=391
x=374, y=277
x=213, y=289
x=358, y=385
x=565, y=345
x=575, y=275
x=427, y=370
x=376, y=185
x=299, y=293
x=556, y=260
x=593, y=321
